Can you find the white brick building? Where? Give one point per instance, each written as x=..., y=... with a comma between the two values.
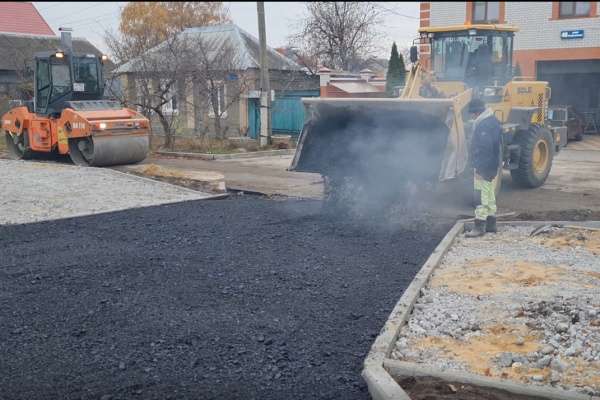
x=557, y=41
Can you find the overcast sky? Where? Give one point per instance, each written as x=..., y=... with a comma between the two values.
x=92, y=19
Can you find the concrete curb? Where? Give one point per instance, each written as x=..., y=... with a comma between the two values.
x=405, y=369
x=208, y=196
x=381, y=384
x=211, y=157
x=380, y=371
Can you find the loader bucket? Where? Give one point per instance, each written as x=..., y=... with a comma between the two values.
x=406, y=139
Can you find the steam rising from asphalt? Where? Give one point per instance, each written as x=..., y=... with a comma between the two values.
x=379, y=159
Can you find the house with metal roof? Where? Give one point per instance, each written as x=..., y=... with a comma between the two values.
x=193, y=106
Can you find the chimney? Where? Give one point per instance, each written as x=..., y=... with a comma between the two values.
x=324, y=75
x=66, y=40
x=366, y=74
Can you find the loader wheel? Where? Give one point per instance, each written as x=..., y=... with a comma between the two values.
x=335, y=198
x=18, y=145
x=537, y=152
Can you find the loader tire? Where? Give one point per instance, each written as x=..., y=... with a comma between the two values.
x=537, y=152
x=334, y=201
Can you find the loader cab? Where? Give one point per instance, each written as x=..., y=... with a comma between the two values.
x=62, y=76
x=479, y=55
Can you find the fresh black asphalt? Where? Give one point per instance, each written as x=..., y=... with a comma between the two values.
x=233, y=299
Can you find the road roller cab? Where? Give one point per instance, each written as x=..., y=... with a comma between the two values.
x=69, y=115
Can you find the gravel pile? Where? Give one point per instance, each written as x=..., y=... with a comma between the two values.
x=515, y=307
x=38, y=191
x=234, y=299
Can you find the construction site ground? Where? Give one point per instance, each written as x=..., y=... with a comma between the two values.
x=573, y=184
x=511, y=306
x=248, y=297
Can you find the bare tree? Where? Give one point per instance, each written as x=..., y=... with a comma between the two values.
x=212, y=70
x=153, y=74
x=339, y=34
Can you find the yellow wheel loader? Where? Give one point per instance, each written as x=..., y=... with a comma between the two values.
x=380, y=147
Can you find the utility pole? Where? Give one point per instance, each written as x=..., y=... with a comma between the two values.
x=265, y=86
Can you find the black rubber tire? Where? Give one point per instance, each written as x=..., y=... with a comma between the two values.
x=334, y=201
x=525, y=175
x=14, y=150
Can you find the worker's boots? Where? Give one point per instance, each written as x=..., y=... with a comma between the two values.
x=490, y=225
x=478, y=230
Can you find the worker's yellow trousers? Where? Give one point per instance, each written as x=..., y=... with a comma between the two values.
x=488, y=198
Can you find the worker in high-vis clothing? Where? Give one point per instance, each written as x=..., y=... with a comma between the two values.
x=486, y=160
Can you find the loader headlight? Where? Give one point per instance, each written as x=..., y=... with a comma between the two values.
x=102, y=126
x=104, y=57
x=59, y=54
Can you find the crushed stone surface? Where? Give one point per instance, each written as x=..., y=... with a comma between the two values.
x=515, y=307
x=38, y=191
x=244, y=298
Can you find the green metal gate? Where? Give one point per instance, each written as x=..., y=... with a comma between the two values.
x=288, y=112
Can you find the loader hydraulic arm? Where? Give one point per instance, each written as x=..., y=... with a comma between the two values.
x=413, y=82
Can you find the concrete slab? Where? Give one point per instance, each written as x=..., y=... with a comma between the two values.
x=208, y=181
x=576, y=169
x=266, y=175
x=38, y=191
x=232, y=156
x=589, y=142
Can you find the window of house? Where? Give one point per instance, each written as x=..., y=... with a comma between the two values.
x=574, y=8
x=171, y=106
x=219, y=99
x=486, y=11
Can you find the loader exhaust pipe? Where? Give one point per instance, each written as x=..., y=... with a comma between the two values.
x=66, y=40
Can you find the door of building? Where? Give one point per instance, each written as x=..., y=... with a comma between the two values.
x=253, y=118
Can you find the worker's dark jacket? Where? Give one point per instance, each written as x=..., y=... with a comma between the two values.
x=485, y=147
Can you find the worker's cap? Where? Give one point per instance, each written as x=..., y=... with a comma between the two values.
x=476, y=106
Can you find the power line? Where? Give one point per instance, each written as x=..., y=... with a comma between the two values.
x=396, y=12
x=74, y=23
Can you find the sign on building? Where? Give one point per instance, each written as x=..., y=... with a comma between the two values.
x=575, y=34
